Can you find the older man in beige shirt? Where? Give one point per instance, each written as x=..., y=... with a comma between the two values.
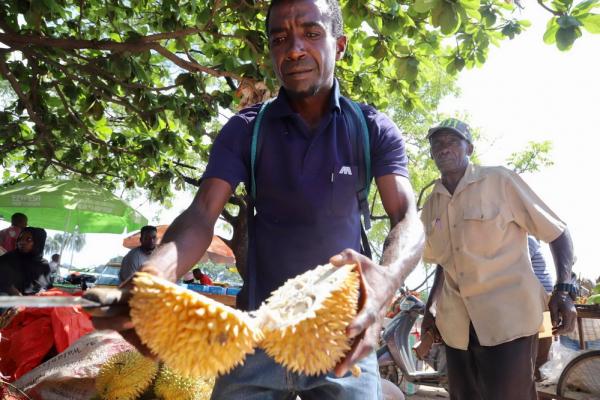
x=488, y=301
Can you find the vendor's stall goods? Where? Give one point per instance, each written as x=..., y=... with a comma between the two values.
x=171, y=385
x=302, y=325
x=131, y=376
x=125, y=376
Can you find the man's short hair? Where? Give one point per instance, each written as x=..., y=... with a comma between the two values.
x=334, y=12
x=147, y=229
x=55, y=257
x=16, y=217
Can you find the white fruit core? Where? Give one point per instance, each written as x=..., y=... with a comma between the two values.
x=300, y=298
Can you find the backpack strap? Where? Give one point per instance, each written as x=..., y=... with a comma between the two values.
x=359, y=134
x=359, y=137
x=256, y=145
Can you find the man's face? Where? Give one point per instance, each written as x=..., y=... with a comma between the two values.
x=148, y=240
x=197, y=274
x=450, y=152
x=25, y=242
x=302, y=47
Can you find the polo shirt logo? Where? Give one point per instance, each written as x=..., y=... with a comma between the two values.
x=345, y=170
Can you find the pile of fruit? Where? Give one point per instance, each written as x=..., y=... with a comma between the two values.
x=595, y=296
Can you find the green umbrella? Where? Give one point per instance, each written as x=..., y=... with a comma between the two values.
x=66, y=205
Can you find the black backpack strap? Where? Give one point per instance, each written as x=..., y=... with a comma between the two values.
x=359, y=137
x=256, y=144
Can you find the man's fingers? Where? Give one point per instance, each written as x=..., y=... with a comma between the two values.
x=117, y=323
x=108, y=296
x=361, y=322
x=362, y=346
x=554, y=316
x=347, y=256
x=108, y=311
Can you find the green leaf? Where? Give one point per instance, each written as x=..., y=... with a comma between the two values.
x=568, y=21
x=407, y=68
x=565, y=37
x=470, y=4
x=525, y=23
x=551, y=29
x=446, y=17
x=591, y=22
x=423, y=6
x=584, y=7
x=561, y=6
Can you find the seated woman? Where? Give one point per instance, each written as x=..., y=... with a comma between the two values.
x=23, y=271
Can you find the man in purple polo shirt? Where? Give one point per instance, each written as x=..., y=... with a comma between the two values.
x=306, y=205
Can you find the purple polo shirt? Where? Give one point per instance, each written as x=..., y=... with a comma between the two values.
x=306, y=202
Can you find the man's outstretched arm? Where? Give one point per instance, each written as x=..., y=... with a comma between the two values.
x=562, y=309
x=190, y=234
x=402, y=251
x=184, y=243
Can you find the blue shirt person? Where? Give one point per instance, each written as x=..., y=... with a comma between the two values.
x=539, y=264
x=306, y=208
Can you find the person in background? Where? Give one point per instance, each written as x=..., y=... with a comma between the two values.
x=541, y=272
x=133, y=261
x=188, y=278
x=54, y=267
x=8, y=236
x=202, y=277
x=489, y=304
x=24, y=271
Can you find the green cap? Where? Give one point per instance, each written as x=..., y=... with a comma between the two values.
x=456, y=126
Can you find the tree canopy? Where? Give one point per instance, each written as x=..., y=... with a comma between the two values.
x=130, y=92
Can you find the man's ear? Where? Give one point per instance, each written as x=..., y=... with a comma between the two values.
x=470, y=149
x=340, y=47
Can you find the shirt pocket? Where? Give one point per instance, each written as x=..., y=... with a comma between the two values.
x=437, y=249
x=485, y=228
x=344, y=198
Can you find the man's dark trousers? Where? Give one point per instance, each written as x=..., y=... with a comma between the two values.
x=502, y=372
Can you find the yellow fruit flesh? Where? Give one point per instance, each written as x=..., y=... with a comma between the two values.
x=304, y=321
x=193, y=334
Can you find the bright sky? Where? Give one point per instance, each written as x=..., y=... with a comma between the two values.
x=526, y=91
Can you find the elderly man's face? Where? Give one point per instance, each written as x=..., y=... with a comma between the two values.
x=450, y=152
x=302, y=46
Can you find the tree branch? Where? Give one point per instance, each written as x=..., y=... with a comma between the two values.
x=193, y=67
x=544, y=6
x=21, y=41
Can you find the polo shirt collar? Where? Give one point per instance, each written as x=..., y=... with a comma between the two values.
x=472, y=174
x=281, y=106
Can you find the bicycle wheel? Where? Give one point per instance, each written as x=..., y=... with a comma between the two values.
x=581, y=375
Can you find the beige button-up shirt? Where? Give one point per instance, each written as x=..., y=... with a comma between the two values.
x=479, y=236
